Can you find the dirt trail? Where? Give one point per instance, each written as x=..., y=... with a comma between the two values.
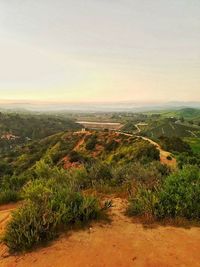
x=163, y=154
x=5, y=214
x=81, y=142
x=122, y=243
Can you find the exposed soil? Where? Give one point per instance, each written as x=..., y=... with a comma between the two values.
x=5, y=214
x=164, y=155
x=121, y=243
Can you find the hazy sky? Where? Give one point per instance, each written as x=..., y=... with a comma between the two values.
x=100, y=50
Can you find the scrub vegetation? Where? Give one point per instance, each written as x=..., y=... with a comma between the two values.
x=59, y=178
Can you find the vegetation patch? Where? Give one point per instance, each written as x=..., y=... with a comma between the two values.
x=178, y=196
x=50, y=206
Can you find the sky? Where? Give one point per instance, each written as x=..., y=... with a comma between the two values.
x=100, y=50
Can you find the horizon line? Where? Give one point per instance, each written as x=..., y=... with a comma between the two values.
x=55, y=102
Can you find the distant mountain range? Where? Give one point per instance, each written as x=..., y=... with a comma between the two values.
x=95, y=107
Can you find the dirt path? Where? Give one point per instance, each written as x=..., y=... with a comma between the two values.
x=81, y=142
x=122, y=243
x=5, y=214
x=163, y=154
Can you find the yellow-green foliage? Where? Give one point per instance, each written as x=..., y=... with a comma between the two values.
x=43, y=215
x=179, y=196
x=51, y=202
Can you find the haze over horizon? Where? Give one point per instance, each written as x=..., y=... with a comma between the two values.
x=99, y=51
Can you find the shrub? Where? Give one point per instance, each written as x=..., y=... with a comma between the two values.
x=78, y=178
x=149, y=175
x=143, y=203
x=180, y=195
x=111, y=145
x=146, y=151
x=100, y=172
x=91, y=142
x=186, y=159
x=74, y=156
x=11, y=188
x=48, y=208
x=30, y=225
x=9, y=196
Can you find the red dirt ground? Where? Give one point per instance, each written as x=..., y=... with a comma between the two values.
x=122, y=243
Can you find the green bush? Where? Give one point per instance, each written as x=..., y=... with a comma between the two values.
x=100, y=172
x=180, y=194
x=10, y=188
x=74, y=156
x=187, y=159
x=49, y=207
x=91, y=143
x=9, y=196
x=143, y=203
x=30, y=225
x=111, y=145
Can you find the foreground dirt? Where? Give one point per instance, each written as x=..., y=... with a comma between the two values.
x=121, y=243
x=5, y=214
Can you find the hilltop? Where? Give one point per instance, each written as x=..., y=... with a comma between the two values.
x=73, y=149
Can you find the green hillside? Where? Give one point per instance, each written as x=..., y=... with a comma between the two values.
x=170, y=128
x=34, y=126
x=186, y=113
x=18, y=129
x=69, y=149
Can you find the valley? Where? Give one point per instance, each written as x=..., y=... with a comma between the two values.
x=104, y=187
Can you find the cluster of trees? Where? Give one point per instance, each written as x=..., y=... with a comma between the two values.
x=34, y=126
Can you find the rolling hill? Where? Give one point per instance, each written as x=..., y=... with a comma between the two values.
x=170, y=127
x=73, y=149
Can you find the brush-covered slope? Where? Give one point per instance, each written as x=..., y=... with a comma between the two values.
x=72, y=149
x=18, y=129
x=34, y=126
